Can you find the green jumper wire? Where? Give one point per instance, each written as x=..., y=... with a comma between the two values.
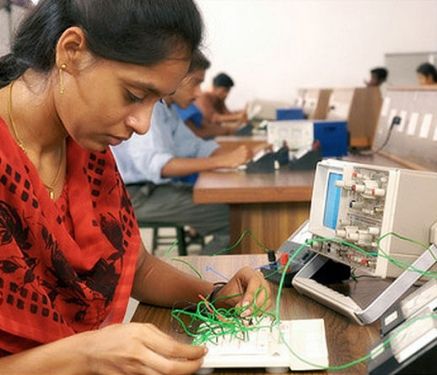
x=217, y=322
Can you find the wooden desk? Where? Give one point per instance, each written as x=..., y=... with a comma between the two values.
x=346, y=340
x=231, y=142
x=272, y=206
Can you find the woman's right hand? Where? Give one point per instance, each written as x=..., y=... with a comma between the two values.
x=137, y=348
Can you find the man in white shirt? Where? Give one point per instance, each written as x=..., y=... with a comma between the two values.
x=158, y=167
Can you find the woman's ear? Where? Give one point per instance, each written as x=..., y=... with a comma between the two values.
x=72, y=51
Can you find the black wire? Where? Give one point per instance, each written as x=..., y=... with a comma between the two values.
x=396, y=121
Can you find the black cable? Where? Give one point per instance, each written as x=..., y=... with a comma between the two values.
x=395, y=121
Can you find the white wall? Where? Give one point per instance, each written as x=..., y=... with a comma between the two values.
x=17, y=14
x=273, y=47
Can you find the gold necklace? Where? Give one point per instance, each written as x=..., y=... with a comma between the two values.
x=51, y=187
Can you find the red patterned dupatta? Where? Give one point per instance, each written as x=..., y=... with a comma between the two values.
x=65, y=266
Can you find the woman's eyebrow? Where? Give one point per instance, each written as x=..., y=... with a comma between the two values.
x=149, y=87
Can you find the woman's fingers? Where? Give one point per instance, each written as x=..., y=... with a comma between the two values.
x=264, y=297
x=257, y=293
x=137, y=348
x=163, y=344
x=252, y=289
x=156, y=361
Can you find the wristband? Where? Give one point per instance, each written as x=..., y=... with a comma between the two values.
x=217, y=288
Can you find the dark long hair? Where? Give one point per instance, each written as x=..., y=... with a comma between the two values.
x=141, y=32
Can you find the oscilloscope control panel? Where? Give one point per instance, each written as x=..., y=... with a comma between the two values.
x=358, y=203
x=360, y=218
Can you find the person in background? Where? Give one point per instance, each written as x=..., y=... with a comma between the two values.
x=158, y=167
x=378, y=76
x=212, y=104
x=426, y=74
x=194, y=119
x=83, y=75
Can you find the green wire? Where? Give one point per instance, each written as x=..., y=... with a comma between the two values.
x=218, y=322
x=398, y=263
x=402, y=264
x=246, y=233
x=282, y=280
x=385, y=342
x=171, y=248
x=189, y=265
x=364, y=357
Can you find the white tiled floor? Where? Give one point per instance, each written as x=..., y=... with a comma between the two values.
x=146, y=235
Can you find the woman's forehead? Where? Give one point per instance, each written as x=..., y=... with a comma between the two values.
x=162, y=78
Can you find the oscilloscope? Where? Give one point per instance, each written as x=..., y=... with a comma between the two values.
x=354, y=209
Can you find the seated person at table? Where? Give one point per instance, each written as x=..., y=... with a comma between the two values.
x=193, y=118
x=70, y=248
x=378, y=76
x=426, y=74
x=152, y=166
x=212, y=104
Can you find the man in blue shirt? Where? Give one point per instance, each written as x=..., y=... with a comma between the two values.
x=192, y=114
x=193, y=118
x=152, y=164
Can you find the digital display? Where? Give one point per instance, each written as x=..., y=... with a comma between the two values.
x=332, y=201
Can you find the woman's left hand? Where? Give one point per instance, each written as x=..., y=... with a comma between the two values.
x=247, y=288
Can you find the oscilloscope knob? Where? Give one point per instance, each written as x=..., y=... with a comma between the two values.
x=355, y=204
x=340, y=233
x=379, y=192
x=358, y=188
x=357, y=175
x=316, y=245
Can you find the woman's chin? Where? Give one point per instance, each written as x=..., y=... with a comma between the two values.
x=93, y=146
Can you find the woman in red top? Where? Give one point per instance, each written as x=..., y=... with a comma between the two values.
x=83, y=75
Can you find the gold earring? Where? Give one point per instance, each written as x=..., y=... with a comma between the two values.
x=61, y=78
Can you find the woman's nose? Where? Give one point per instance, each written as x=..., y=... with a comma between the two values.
x=139, y=121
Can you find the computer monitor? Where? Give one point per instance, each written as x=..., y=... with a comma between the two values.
x=359, y=203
